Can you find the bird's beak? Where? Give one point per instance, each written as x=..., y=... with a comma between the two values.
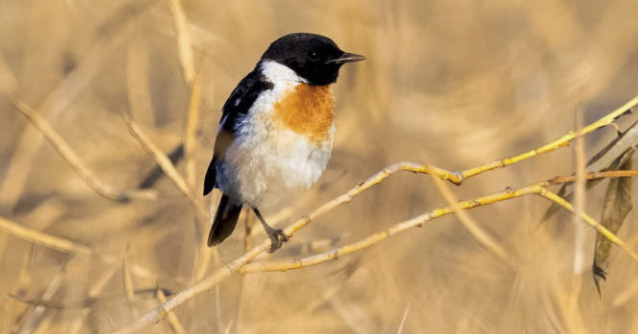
x=346, y=58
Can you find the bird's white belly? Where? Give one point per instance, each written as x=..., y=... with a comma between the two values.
x=264, y=166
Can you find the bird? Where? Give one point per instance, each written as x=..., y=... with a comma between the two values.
x=276, y=131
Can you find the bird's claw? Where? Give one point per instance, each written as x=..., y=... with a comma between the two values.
x=278, y=237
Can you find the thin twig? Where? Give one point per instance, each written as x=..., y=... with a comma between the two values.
x=43, y=239
x=403, y=319
x=556, y=144
x=67, y=153
x=592, y=176
x=202, y=255
x=171, y=318
x=64, y=245
x=472, y=227
x=190, y=133
x=184, y=48
x=163, y=161
x=34, y=315
x=207, y=256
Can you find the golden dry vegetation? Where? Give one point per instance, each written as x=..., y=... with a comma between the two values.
x=454, y=84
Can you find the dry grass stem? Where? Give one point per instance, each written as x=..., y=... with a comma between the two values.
x=171, y=318
x=403, y=319
x=164, y=162
x=190, y=134
x=184, y=48
x=67, y=153
x=472, y=227
x=572, y=315
x=64, y=245
x=34, y=315
x=43, y=239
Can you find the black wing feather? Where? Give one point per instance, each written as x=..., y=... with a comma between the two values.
x=236, y=107
x=209, y=179
x=225, y=221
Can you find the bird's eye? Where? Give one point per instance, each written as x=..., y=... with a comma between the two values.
x=313, y=55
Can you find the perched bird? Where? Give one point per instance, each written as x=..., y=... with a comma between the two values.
x=276, y=131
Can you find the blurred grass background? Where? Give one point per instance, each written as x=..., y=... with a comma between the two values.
x=453, y=84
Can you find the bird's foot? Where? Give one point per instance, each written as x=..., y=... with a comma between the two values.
x=277, y=237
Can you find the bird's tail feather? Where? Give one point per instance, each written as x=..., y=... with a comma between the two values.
x=225, y=221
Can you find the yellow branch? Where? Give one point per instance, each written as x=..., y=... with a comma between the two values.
x=418, y=221
x=556, y=144
x=479, y=234
x=591, y=222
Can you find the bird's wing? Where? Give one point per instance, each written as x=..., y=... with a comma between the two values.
x=235, y=109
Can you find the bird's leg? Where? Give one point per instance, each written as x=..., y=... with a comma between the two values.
x=277, y=236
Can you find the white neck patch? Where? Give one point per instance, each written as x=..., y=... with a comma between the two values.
x=276, y=72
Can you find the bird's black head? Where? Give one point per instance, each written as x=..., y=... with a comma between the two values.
x=315, y=58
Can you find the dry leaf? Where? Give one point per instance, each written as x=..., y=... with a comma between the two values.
x=616, y=207
x=611, y=157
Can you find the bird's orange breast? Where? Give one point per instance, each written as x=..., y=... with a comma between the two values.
x=307, y=110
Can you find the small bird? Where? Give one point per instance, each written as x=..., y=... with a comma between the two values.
x=276, y=131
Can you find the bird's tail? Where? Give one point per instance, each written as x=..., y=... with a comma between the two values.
x=225, y=221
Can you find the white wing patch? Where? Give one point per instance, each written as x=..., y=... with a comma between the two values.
x=221, y=124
